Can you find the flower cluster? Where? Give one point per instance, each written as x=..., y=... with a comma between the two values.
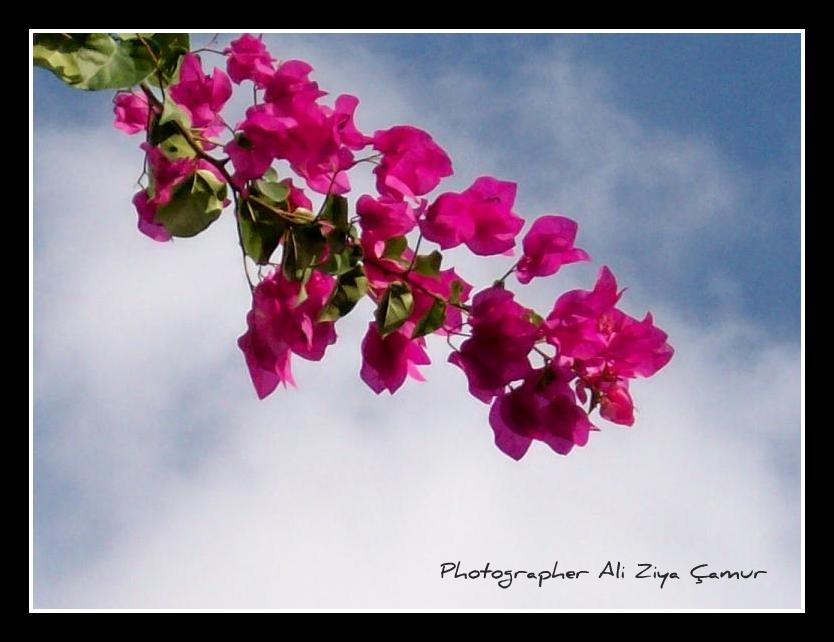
x=543, y=377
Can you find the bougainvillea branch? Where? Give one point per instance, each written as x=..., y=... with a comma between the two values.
x=316, y=263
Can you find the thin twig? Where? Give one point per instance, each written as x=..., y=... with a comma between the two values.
x=289, y=216
x=240, y=242
x=414, y=256
x=510, y=271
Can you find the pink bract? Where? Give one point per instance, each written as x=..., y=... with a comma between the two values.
x=388, y=360
x=547, y=247
x=502, y=336
x=543, y=408
x=248, y=59
x=131, y=111
x=480, y=217
x=384, y=218
x=412, y=163
x=147, y=218
x=201, y=95
x=279, y=324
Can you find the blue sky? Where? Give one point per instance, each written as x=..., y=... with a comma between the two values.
x=679, y=157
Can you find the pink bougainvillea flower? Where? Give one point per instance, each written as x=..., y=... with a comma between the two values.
x=279, y=325
x=502, y=337
x=264, y=135
x=381, y=270
x=147, y=218
x=316, y=140
x=324, y=180
x=586, y=325
x=412, y=163
x=544, y=408
x=615, y=402
x=344, y=126
x=605, y=346
x=201, y=95
x=320, y=145
x=248, y=59
x=573, y=324
x=386, y=361
x=547, y=247
x=268, y=367
x=481, y=217
x=608, y=391
x=634, y=348
x=131, y=111
x=290, y=89
x=384, y=218
x=165, y=175
x=250, y=162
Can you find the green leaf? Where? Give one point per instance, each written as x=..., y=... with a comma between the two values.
x=432, y=320
x=93, y=60
x=273, y=190
x=304, y=244
x=342, y=258
x=394, y=308
x=350, y=288
x=534, y=317
x=302, y=295
x=260, y=231
x=173, y=113
x=169, y=49
x=335, y=210
x=353, y=232
x=176, y=146
x=394, y=248
x=428, y=264
x=195, y=204
x=270, y=175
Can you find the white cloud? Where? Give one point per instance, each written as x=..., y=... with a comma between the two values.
x=164, y=483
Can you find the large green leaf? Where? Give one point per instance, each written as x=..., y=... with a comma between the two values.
x=171, y=122
x=335, y=210
x=195, y=204
x=341, y=258
x=93, y=60
x=260, y=231
x=275, y=191
x=350, y=288
x=428, y=264
x=432, y=320
x=169, y=49
x=173, y=113
x=394, y=308
x=304, y=245
x=394, y=248
x=175, y=146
